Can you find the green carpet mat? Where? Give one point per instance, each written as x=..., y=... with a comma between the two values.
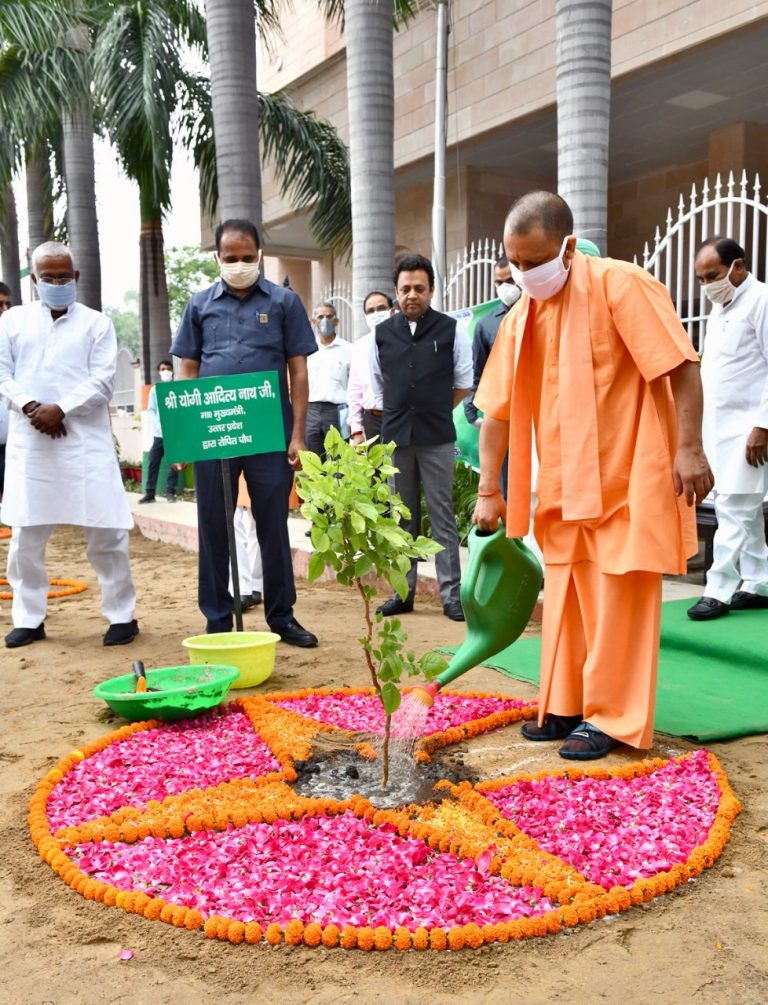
x=713, y=675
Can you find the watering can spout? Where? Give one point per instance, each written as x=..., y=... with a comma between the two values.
x=499, y=590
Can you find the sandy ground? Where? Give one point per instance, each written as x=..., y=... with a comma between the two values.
x=707, y=942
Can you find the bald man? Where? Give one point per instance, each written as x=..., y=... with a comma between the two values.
x=595, y=355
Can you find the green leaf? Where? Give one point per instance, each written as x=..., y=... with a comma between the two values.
x=431, y=664
x=316, y=566
x=390, y=698
x=319, y=539
x=363, y=565
x=398, y=583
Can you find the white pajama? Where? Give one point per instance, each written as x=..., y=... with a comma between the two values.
x=740, y=555
x=106, y=550
x=248, y=553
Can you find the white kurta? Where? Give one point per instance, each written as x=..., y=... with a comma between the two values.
x=734, y=372
x=69, y=362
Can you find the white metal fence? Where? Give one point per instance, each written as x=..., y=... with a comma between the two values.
x=124, y=394
x=730, y=210
x=470, y=276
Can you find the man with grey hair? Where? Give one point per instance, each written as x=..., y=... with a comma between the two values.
x=57, y=370
x=328, y=371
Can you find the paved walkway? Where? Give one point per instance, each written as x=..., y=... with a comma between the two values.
x=176, y=523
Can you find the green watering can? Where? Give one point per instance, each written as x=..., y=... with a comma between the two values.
x=499, y=590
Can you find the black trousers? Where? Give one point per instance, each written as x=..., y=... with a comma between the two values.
x=269, y=478
x=371, y=424
x=321, y=416
x=156, y=454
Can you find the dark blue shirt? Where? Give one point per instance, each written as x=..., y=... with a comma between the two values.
x=260, y=332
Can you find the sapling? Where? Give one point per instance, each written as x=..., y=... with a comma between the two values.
x=356, y=531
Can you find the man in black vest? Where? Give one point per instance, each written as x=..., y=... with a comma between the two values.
x=421, y=368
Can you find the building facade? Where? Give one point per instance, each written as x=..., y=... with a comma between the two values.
x=689, y=101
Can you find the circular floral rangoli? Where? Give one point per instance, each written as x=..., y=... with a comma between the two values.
x=196, y=824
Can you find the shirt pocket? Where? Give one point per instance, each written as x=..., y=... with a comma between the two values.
x=603, y=360
x=218, y=334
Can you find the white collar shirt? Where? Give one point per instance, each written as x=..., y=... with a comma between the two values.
x=328, y=372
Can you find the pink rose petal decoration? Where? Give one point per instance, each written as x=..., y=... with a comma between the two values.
x=160, y=762
x=340, y=870
x=617, y=830
x=364, y=713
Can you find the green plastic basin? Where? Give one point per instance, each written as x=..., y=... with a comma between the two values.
x=183, y=692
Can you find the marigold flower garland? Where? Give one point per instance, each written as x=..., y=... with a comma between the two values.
x=490, y=864
x=71, y=587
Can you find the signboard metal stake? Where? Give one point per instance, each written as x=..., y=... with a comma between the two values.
x=229, y=509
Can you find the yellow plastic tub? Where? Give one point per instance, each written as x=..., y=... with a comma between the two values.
x=253, y=653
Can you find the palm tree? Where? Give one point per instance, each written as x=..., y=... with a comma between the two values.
x=139, y=78
x=583, y=55
x=9, y=242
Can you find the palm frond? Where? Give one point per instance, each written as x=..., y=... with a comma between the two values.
x=136, y=66
x=310, y=161
x=35, y=25
x=311, y=164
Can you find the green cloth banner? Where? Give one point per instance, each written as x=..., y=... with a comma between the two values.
x=215, y=417
x=467, y=435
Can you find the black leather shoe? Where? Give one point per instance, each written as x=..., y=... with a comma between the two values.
x=256, y=598
x=707, y=609
x=24, y=636
x=743, y=601
x=554, y=727
x=146, y=499
x=121, y=634
x=246, y=602
x=395, y=605
x=293, y=634
x=454, y=611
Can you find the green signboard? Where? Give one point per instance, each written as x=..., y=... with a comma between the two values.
x=217, y=417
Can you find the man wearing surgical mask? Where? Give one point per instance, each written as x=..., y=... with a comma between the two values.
x=57, y=369
x=328, y=372
x=734, y=369
x=246, y=324
x=364, y=416
x=595, y=358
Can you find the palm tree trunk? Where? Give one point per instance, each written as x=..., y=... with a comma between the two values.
x=39, y=196
x=82, y=225
x=235, y=102
x=154, y=312
x=9, y=242
x=583, y=54
x=370, y=96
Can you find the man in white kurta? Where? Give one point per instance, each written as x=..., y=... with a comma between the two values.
x=57, y=369
x=734, y=372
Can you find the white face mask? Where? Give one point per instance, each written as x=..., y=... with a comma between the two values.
x=376, y=317
x=545, y=280
x=166, y=375
x=240, y=275
x=508, y=293
x=720, y=291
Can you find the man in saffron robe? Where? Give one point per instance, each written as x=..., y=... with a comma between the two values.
x=594, y=353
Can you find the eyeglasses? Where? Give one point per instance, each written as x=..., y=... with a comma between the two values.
x=56, y=280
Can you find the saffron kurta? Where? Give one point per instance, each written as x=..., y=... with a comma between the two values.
x=635, y=339
x=589, y=367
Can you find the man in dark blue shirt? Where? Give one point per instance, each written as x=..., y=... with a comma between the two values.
x=245, y=324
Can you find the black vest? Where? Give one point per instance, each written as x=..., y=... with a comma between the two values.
x=417, y=374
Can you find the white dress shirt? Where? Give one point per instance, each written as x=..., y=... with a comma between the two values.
x=70, y=362
x=328, y=371
x=734, y=373
x=360, y=396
